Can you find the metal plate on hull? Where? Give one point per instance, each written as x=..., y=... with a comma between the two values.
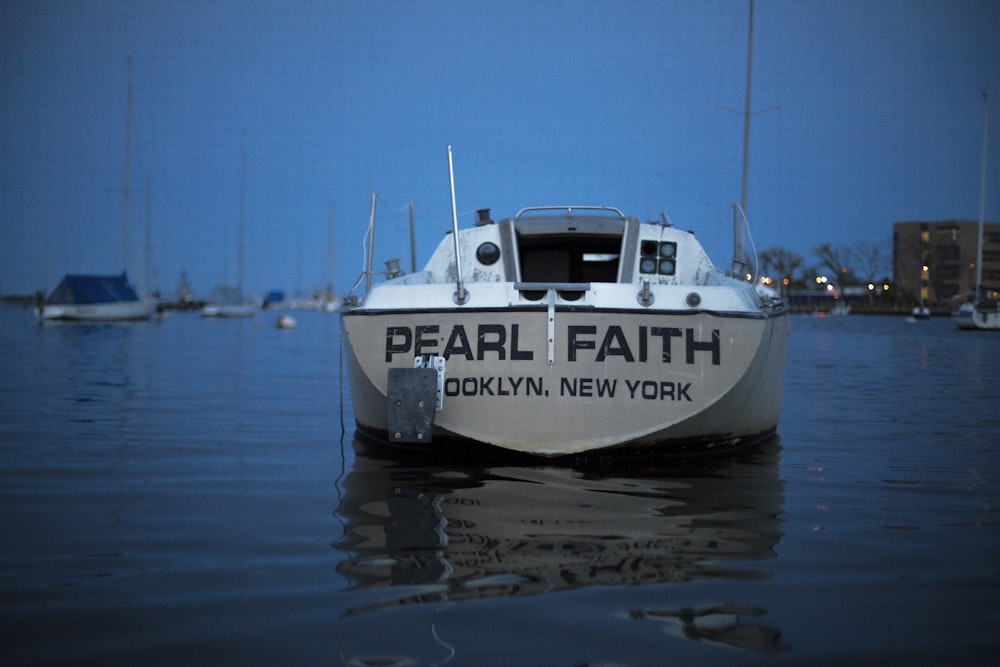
x=410, y=404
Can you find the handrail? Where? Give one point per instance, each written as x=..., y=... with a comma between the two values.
x=543, y=286
x=569, y=209
x=371, y=245
x=740, y=257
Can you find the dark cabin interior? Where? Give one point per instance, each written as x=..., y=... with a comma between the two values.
x=569, y=258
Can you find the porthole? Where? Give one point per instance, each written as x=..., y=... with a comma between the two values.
x=647, y=265
x=488, y=253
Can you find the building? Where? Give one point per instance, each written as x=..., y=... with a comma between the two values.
x=939, y=259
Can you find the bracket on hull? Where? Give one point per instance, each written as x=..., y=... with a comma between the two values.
x=413, y=396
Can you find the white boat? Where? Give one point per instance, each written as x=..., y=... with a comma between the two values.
x=567, y=330
x=95, y=298
x=841, y=309
x=229, y=310
x=102, y=298
x=984, y=313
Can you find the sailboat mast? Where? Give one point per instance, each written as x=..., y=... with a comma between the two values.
x=739, y=254
x=127, y=167
x=329, y=249
x=746, y=115
x=243, y=212
x=150, y=285
x=982, y=199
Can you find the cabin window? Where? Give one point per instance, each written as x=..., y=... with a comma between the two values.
x=563, y=259
x=658, y=257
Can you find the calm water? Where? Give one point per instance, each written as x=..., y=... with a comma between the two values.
x=181, y=492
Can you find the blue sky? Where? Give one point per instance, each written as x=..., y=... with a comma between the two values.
x=544, y=102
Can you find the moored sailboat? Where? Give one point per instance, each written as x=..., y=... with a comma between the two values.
x=227, y=301
x=568, y=330
x=983, y=313
x=102, y=298
x=575, y=329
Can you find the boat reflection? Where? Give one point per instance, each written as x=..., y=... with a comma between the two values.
x=451, y=531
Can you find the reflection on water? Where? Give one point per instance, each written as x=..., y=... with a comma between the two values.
x=168, y=487
x=723, y=624
x=425, y=532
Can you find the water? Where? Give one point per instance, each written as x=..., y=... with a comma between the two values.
x=181, y=492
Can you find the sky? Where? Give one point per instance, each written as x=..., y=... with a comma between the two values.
x=864, y=113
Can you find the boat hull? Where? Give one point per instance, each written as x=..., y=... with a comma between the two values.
x=972, y=318
x=140, y=309
x=229, y=310
x=666, y=380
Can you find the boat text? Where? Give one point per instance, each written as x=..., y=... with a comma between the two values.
x=502, y=342
x=570, y=387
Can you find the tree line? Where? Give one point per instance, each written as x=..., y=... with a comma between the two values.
x=857, y=265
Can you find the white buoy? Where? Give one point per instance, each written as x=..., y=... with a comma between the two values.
x=287, y=322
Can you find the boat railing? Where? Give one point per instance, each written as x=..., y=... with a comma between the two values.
x=569, y=210
x=744, y=265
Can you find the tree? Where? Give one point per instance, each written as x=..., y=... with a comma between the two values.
x=782, y=264
x=835, y=261
x=871, y=262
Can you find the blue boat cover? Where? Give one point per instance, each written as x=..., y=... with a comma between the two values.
x=81, y=289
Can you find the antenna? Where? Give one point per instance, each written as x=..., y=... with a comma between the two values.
x=461, y=295
x=127, y=168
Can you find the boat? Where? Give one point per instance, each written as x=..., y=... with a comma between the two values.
x=226, y=301
x=841, y=309
x=286, y=321
x=983, y=314
x=235, y=309
x=567, y=331
x=97, y=297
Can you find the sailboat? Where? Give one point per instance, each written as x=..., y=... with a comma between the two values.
x=984, y=313
x=567, y=330
x=228, y=301
x=102, y=298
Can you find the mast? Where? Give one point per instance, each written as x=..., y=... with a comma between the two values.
x=739, y=253
x=127, y=167
x=982, y=199
x=329, y=249
x=150, y=286
x=746, y=115
x=243, y=211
